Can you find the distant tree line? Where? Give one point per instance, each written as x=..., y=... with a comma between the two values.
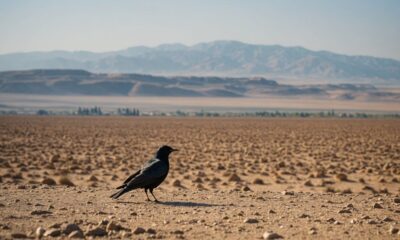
x=94, y=111
x=97, y=111
x=128, y=112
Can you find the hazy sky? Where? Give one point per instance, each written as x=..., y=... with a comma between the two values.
x=366, y=27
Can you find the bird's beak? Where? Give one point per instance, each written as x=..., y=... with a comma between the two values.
x=174, y=150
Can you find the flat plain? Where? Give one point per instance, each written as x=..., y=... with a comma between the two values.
x=233, y=178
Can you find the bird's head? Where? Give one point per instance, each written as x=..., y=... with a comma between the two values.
x=164, y=151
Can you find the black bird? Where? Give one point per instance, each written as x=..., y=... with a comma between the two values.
x=149, y=176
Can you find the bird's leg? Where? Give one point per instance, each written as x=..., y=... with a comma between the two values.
x=151, y=191
x=145, y=190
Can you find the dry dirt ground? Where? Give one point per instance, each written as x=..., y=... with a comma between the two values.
x=234, y=178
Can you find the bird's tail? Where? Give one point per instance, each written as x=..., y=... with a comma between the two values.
x=118, y=194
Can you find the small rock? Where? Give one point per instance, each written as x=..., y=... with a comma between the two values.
x=234, y=178
x=304, y=216
x=312, y=231
x=341, y=177
x=65, y=181
x=372, y=222
x=331, y=220
x=49, y=181
x=308, y=183
x=112, y=226
x=52, y=232
x=39, y=232
x=55, y=225
x=246, y=188
x=377, y=205
x=139, y=230
x=96, y=232
x=19, y=235
x=250, y=220
x=40, y=212
x=271, y=211
x=177, y=183
x=350, y=205
x=177, y=232
x=353, y=221
x=103, y=222
x=344, y=211
x=387, y=219
x=271, y=235
x=55, y=158
x=396, y=200
x=393, y=230
x=76, y=234
x=71, y=228
x=93, y=178
x=258, y=181
x=288, y=193
x=151, y=231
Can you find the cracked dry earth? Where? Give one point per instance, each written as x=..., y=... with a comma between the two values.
x=239, y=178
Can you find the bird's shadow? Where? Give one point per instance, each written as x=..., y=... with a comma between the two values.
x=188, y=204
x=176, y=203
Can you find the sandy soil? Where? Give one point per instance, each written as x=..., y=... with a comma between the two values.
x=232, y=178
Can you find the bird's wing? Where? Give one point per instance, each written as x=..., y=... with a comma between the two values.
x=150, y=173
x=146, y=165
x=131, y=176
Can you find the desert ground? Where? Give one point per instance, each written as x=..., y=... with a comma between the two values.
x=233, y=178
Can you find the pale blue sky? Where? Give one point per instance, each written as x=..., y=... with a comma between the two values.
x=361, y=27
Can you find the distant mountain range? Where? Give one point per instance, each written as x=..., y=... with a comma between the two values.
x=81, y=82
x=219, y=58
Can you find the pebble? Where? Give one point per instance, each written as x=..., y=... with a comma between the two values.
x=341, y=177
x=393, y=230
x=71, y=228
x=40, y=212
x=387, y=219
x=96, y=232
x=234, y=178
x=151, y=231
x=290, y=193
x=304, y=216
x=49, y=181
x=396, y=200
x=19, y=235
x=93, y=178
x=271, y=235
x=139, y=230
x=344, y=211
x=258, y=181
x=52, y=232
x=377, y=205
x=39, y=232
x=372, y=222
x=76, y=234
x=177, y=232
x=308, y=183
x=112, y=226
x=177, y=183
x=246, y=188
x=65, y=181
x=250, y=220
